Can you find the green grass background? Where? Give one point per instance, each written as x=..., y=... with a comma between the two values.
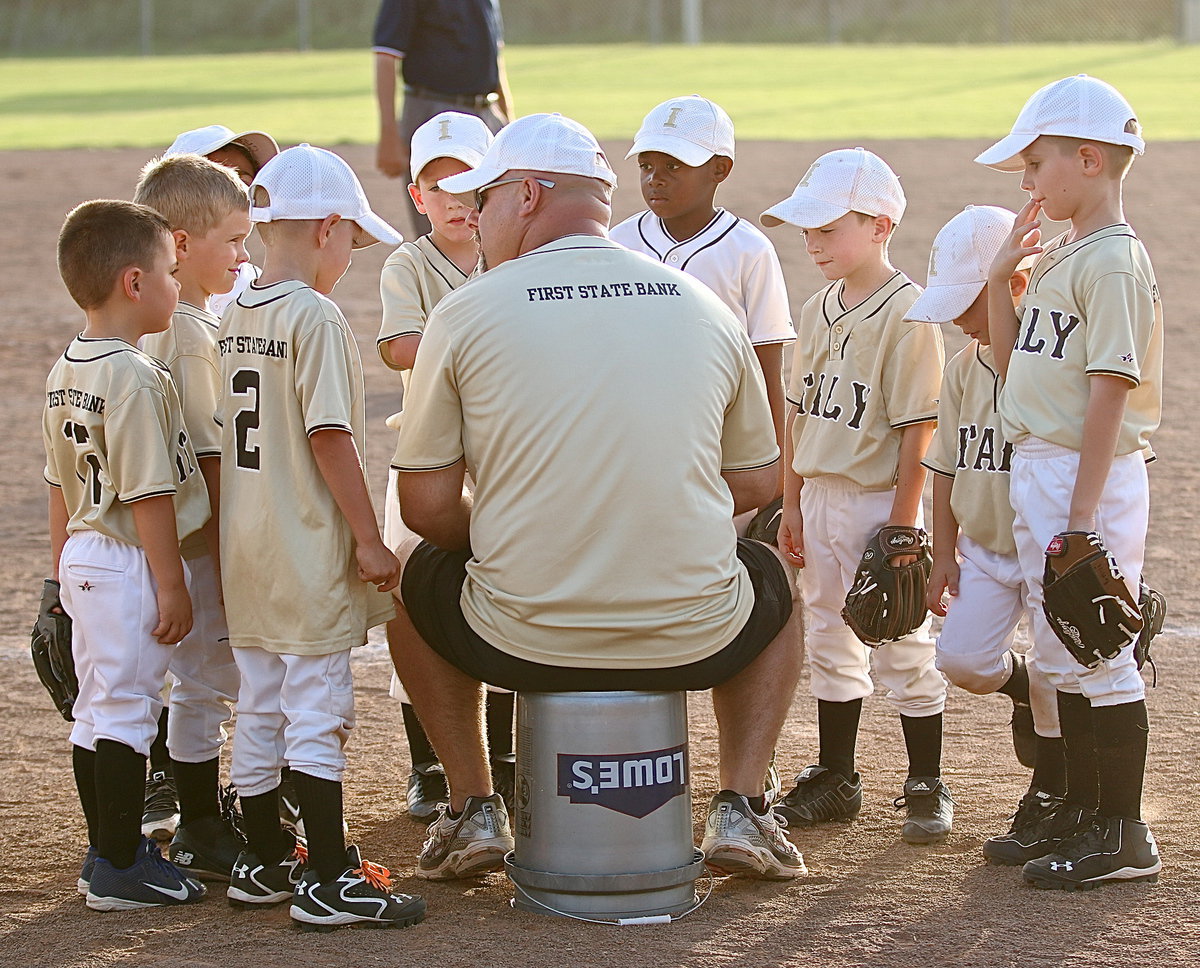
x=787, y=92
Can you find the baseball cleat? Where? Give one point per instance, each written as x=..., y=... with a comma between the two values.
x=1107, y=850
x=820, y=796
x=160, y=815
x=468, y=845
x=85, y=873
x=253, y=882
x=206, y=848
x=737, y=841
x=363, y=894
x=930, y=810
x=1041, y=821
x=427, y=789
x=151, y=881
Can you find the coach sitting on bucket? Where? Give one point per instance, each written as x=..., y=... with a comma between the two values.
x=613, y=417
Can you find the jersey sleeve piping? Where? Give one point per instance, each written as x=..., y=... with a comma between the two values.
x=335, y=425
x=927, y=418
x=404, y=468
x=750, y=467
x=143, y=495
x=1103, y=371
x=398, y=54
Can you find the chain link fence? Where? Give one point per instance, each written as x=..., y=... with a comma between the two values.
x=35, y=27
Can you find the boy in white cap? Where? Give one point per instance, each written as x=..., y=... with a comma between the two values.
x=245, y=152
x=974, y=554
x=864, y=391
x=1082, y=363
x=684, y=151
x=294, y=500
x=415, y=278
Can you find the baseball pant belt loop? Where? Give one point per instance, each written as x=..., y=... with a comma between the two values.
x=476, y=101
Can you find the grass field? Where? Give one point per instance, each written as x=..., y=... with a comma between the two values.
x=772, y=92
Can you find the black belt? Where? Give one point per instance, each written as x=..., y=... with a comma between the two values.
x=476, y=101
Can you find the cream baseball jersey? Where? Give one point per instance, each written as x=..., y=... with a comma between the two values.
x=189, y=348
x=969, y=447
x=289, y=367
x=596, y=396
x=114, y=434
x=1092, y=307
x=859, y=377
x=730, y=256
x=415, y=277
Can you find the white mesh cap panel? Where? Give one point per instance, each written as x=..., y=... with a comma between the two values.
x=843, y=181
x=690, y=128
x=450, y=134
x=960, y=260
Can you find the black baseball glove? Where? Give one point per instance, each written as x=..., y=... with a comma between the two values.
x=1085, y=598
x=886, y=601
x=50, y=644
x=764, y=526
x=1153, y=606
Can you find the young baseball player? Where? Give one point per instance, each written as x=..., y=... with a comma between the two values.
x=1082, y=363
x=209, y=212
x=415, y=278
x=124, y=488
x=974, y=555
x=294, y=494
x=864, y=391
x=684, y=151
x=245, y=153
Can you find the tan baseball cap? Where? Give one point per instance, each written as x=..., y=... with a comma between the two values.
x=839, y=182
x=1076, y=107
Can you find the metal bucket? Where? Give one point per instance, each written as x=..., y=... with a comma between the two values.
x=603, y=811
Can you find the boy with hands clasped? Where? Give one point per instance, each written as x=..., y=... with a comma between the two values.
x=1082, y=363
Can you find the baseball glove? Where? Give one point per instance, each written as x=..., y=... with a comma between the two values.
x=886, y=602
x=1153, y=606
x=1085, y=598
x=764, y=526
x=50, y=644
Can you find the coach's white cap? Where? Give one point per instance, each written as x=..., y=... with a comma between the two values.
x=311, y=183
x=203, y=141
x=691, y=128
x=450, y=134
x=537, y=142
x=1075, y=107
x=848, y=180
x=962, y=254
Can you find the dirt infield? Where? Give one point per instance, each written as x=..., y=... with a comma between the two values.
x=869, y=899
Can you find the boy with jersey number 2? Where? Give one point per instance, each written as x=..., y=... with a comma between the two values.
x=1082, y=362
x=415, y=277
x=684, y=151
x=293, y=426
x=974, y=553
x=209, y=212
x=124, y=489
x=864, y=391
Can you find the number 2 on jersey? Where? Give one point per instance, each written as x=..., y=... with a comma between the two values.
x=246, y=382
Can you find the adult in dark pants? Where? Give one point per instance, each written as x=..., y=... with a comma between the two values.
x=448, y=53
x=614, y=418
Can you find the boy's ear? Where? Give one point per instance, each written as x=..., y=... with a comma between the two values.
x=131, y=283
x=1091, y=157
x=1018, y=283
x=883, y=228
x=181, y=244
x=415, y=194
x=722, y=166
x=325, y=229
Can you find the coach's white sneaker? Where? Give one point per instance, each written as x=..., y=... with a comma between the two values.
x=739, y=841
x=468, y=845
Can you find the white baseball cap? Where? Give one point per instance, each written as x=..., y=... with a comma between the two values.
x=311, y=183
x=1075, y=107
x=203, y=141
x=691, y=128
x=450, y=134
x=962, y=255
x=537, y=142
x=847, y=180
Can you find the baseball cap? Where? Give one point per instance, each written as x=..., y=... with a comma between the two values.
x=962, y=255
x=450, y=134
x=847, y=180
x=537, y=142
x=203, y=141
x=311, y=183
x=691, y=128
x=1075, y=107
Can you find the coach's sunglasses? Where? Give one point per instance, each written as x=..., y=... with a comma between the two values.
x=476, y=198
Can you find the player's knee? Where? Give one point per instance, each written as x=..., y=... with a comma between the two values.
x=965, y=672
